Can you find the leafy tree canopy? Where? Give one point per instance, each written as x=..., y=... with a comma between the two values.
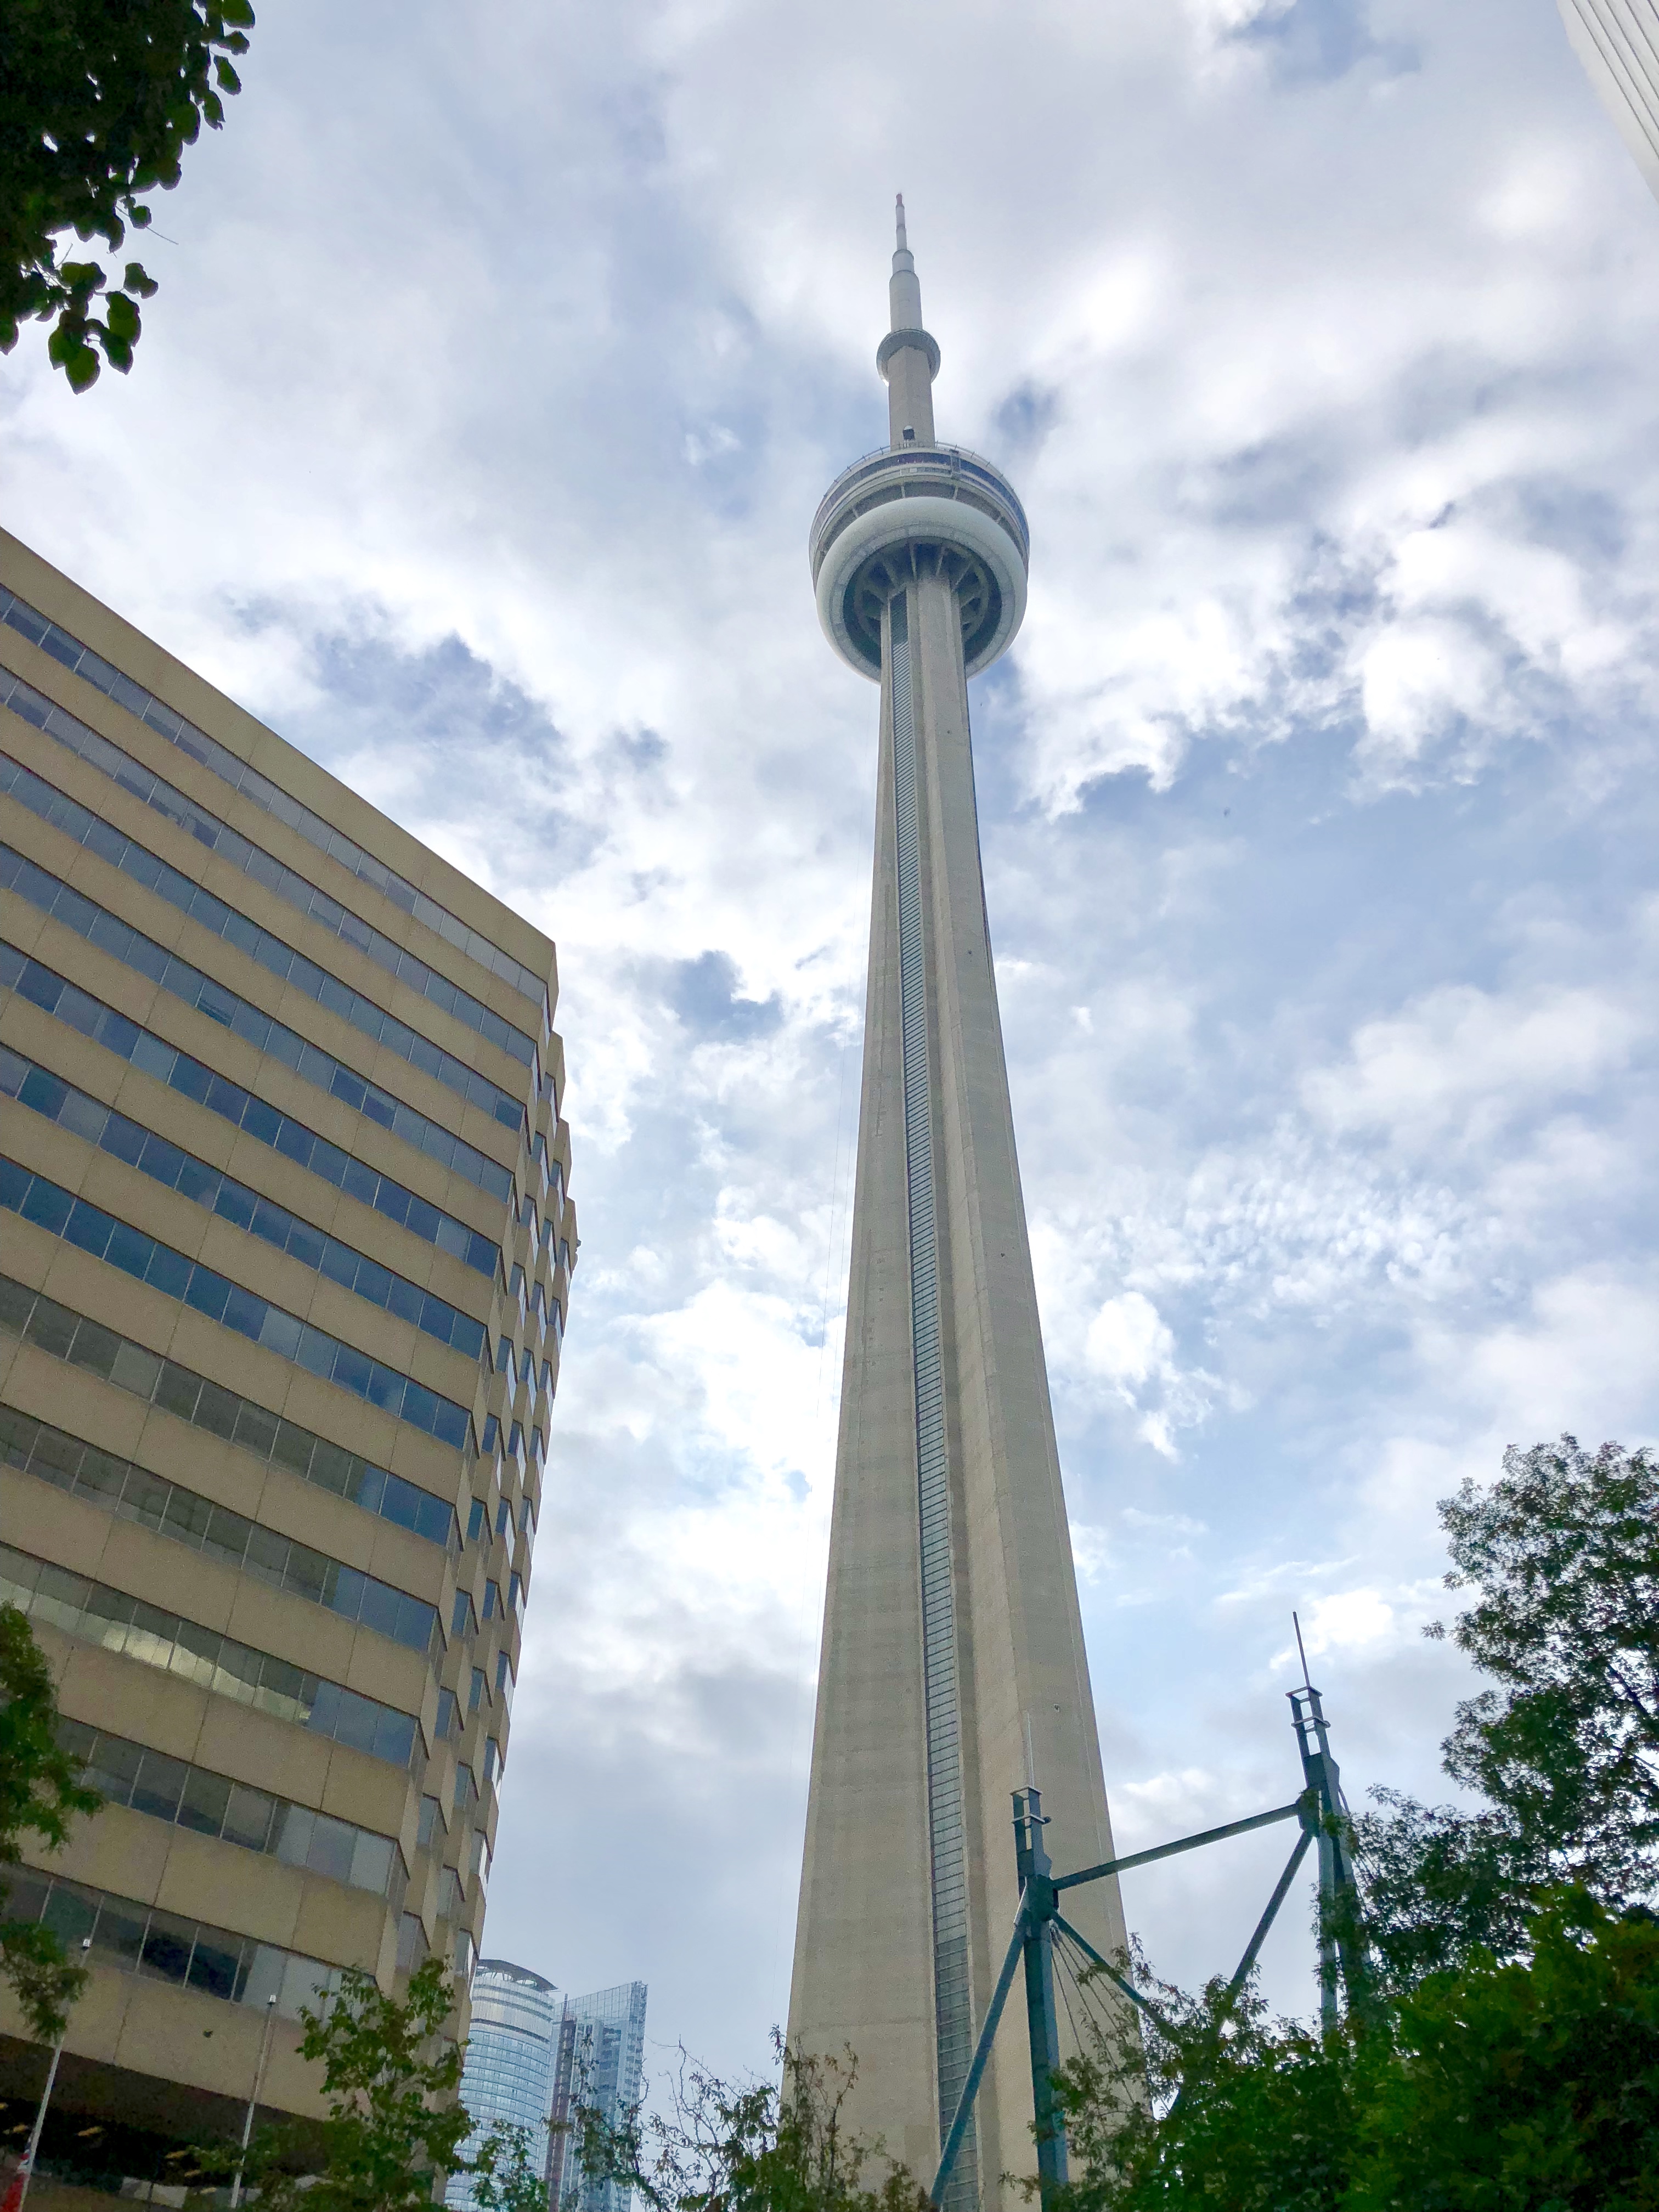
x=40, y=1791
x=750, y=2147
x=395, y=2121
x=1507, y=2055
x=1562, y=1556
x=98, y=100
x=1530, y=2083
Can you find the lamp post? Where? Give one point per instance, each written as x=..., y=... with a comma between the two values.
x=17, y=2195
x=258, y=2084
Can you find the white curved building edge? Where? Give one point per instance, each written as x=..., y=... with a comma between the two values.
x=1618, y=42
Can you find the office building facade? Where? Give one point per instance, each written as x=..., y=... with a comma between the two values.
x=601, y=2066
x=512, y=2054
x=287, y=1256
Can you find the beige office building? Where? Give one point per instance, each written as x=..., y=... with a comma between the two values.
x=285, y=1253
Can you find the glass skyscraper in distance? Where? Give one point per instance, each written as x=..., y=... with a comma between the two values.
x=511, y=2054
x=601, y=2064
x=534, y=2058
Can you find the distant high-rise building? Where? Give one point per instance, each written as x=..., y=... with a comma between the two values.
x=512, y=2055
x=953, y=1665
x=601, y=2063
x=1618, y=43
x=285, y=1253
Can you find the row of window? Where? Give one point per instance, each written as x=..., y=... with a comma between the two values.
x=464, y=1619
x=298, y=890
x=262, y=1031
x=163, y=1947
x=526, y=1370
x=277, y=957
x=90, y=1018
x=169, y=1164
x=479, y=1693
x=194, y=1797
x=57, y=1211
x=527, y=1215
x=85, y=1343
x=552, y=1173
x=478, y=1518
x=18, y=615
x=134, y=1494
x=98, y=1615
x=541, y=1304
x=516, y=1445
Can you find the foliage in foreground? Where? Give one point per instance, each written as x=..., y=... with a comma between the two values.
x=98, y=100
x=750, y=2147
x=395, y=2122
x=1562, y=1554
x=1507, y=2055
x=1533, y=2082
x=40, y=1791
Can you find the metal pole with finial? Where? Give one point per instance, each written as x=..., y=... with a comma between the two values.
x=1339, y=1946
x=17, y=2195
x=1321, y=1813
x=253, y=2099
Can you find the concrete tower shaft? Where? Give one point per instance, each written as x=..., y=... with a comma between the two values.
x=952, y=1643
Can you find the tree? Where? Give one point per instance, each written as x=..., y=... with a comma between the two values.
x=1563, y=1553
x=1508, y=2053
x=1207, y=2100
x=1524, y=2083
x=749, y=2147
x=40, y=1791
x=504, y=2180
x=1532, y=2082
x=395, y=2121
x=98, y=100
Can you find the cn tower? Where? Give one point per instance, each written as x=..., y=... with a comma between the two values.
x=952, y=1667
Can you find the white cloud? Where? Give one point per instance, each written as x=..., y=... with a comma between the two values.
x=1460, y=1062
x=1127, y=1341
x=1344, y=1621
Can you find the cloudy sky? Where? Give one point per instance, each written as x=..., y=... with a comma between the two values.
x=501, y=357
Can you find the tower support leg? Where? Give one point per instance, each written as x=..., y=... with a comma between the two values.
x=1039, y=1910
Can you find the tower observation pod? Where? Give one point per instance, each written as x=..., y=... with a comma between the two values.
x=952, y=1667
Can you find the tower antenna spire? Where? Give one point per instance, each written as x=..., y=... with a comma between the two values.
x=908, y=357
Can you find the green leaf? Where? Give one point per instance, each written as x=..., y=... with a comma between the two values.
x=121, y=318
x=81, y=369
x=227, y=75
x=236, y=12
x=137, y=281
x=83, y=279
x=118, y=351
